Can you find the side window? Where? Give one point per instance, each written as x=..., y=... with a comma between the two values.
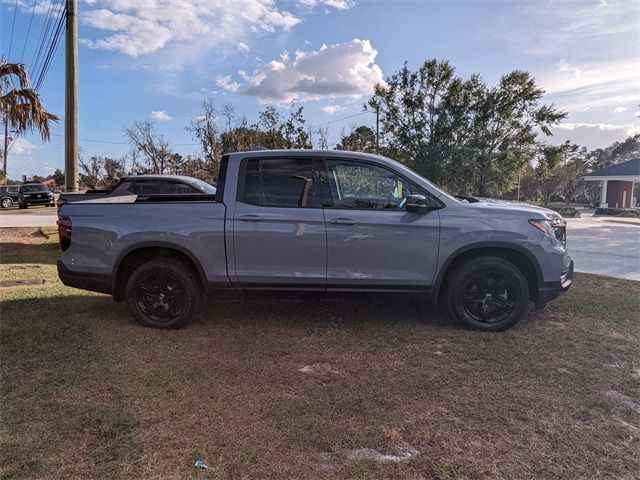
x=179, y=187
x=362, y=185
x=146, y=187
x=281, y=182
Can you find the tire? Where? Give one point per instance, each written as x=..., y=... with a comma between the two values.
x=6, y=203
x=487, y=293
x=163, y=293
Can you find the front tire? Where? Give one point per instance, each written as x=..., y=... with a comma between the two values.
x=487, y=293
x=163, y=293
x=6, y=203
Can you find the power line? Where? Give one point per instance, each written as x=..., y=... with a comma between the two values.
x=26, y=39
x=13, y=25
x=125, y=143
x=339, y=119
x=37, y=50
x=55, y=42
x=48, y=37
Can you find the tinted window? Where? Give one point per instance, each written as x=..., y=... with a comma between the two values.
x=362, y=185
x=146, y=188
x=286, y=182
x=178, y=187
x=34, y=188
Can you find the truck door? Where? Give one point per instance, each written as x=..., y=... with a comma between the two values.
x=372, y=241
x=279, y=233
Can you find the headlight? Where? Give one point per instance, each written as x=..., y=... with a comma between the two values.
x=554, y=228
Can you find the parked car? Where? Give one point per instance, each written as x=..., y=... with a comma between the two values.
x=8, y=195
x=34, y=194
x=143, y=185
x=315, y=221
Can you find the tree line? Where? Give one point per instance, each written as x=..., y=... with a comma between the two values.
x=463, y=134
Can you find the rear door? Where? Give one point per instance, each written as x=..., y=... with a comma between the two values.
x=279, y=233
x=372, y=241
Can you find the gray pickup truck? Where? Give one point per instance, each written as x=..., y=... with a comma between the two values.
x=315, y=221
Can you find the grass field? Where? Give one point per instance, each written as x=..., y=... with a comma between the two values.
x=312, y=389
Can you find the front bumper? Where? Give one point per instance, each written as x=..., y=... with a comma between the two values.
x=84, y=280
x=38, y=200
x=550, y=290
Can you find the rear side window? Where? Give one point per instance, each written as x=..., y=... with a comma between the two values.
x=281, y=182
x=146, y=188
x=178, y=187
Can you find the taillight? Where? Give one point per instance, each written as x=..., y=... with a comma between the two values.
x=59, y=203
x=64, y=232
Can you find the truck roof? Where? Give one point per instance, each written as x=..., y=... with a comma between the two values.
x=308, y=153
x=157, y=176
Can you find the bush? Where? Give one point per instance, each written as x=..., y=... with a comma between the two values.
x=619, y=212
x=568, y=212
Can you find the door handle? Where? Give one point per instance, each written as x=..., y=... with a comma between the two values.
x=342, y=221
x=250, y=218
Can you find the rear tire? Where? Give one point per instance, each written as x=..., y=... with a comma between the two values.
x=487, y=293
x=163, y=293
x=6, y=203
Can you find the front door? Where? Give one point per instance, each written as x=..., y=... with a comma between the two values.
x=279, y=233
x=372, y=241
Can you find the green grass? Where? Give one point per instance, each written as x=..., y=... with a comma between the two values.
x=86, y=392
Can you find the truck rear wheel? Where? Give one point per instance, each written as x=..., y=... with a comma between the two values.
x=163, y=293
x=487, y=293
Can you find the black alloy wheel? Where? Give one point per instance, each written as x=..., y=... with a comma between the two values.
x=487, y=293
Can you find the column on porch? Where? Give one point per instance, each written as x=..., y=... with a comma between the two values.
x=603, y=194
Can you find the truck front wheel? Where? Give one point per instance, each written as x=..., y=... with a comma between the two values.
x=487, y=293
x=163, y=293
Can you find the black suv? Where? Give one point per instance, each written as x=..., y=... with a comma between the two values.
x=34, y=194
x=8, y=195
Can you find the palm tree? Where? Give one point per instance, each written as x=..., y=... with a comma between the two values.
x=20, y=106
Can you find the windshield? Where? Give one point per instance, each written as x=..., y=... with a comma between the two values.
x=204, y=187
x=34, y=188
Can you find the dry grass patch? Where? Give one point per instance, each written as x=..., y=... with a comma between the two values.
x=317, y=389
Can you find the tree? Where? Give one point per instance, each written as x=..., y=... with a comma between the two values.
x=206, y=131
x=21, y=109
x=465, y=135
x=548, y=171
x=100, y=172
x=58, y=177
x=359, y=139
x=503, y=123
x=157, y=156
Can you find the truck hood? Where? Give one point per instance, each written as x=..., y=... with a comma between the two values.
x=536, y=212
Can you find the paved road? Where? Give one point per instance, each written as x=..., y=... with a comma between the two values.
x=604, y=247
x=597, y=246
x=33, y=217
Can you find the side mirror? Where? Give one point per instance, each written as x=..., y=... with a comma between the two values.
x=417, y=203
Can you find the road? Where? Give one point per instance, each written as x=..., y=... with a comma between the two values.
x=604, y=247
x=597, y=245
x=32, y=217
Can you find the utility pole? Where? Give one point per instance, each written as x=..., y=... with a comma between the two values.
x=377, y=129
x=71, y=98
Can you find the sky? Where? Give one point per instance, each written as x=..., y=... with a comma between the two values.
x=157, y=60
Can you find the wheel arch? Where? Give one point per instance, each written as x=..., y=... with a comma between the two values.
x=517, y=255
x=136, y=255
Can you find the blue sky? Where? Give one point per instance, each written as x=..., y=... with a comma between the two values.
x=158, y=59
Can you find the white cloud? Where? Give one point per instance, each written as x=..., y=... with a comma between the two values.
x=224, y=81
x=243, y=47
x=619, y=109
x=593, y=135
x=20, y=146
x=341, y=70
x=160, y=116
x=564, y=66
x=332, y=109
x=337, y=4
x=145, y=26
